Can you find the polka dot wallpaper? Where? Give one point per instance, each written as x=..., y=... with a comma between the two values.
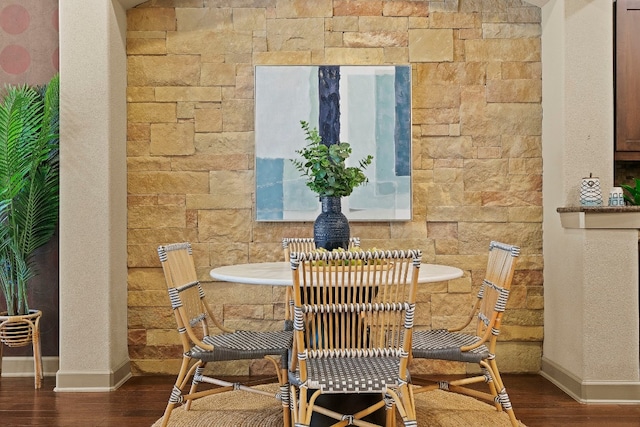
x=28, y=41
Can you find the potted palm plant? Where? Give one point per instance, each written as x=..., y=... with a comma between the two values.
x=328, y=175
x=29, y=199
x=632, y=195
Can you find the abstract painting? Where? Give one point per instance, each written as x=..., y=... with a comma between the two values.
x=367, y=106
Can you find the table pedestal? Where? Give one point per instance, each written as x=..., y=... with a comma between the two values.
x=347, y=404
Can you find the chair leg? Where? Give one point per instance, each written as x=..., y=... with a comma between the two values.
x=390, y=411
x=176, y=393
x=489, y=380
x=37, y=359
x=195, y=381
x=293, y=404
x=404, y=403
x=280, y=365
x=174, y=399
x=286, y=404
x=305, y=407
x=502, y=398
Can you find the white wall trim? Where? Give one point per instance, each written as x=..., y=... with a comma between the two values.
x=92, y=381
x=591, y=392
x=22, y=366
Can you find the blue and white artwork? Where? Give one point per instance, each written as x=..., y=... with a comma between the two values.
x=371, y=107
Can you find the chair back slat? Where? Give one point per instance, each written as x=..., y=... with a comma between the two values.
x=495, y=288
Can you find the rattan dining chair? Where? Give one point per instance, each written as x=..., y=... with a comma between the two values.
x=302, y=244
x=479, y=344
x=196, y=324
x=308, y=244
x=353, y=317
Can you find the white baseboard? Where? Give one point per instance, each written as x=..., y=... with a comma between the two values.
x=22, y=366
x=619, y=392
x=92, y=381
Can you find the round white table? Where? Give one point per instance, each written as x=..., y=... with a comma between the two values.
x=279, y=273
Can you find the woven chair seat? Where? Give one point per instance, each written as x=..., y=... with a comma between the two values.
x=351, y=375
x=245, y=345
x=444, y=345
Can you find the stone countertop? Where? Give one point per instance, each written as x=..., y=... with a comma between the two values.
x=612, y=217
x=598, y=209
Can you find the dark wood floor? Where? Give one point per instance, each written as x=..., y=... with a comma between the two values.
x=141, y=401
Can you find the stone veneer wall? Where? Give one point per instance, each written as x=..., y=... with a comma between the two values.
x=477, y=160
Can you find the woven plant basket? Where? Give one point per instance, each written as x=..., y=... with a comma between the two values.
x=20, y=331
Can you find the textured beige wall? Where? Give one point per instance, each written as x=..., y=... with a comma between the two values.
x=477, y=160
x=591, y=275
x=93, y=289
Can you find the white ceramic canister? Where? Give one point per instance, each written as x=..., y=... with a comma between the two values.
x=616, y=197
x=590, y=192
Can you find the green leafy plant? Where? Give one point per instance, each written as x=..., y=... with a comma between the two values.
x=634, y=192
x=29, y=184
x=324, y=166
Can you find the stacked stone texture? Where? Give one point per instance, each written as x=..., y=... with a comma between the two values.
x=476, y=152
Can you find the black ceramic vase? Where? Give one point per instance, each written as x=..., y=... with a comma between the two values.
x=331, y=228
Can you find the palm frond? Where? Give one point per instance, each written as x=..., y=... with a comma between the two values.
x=29, y=183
